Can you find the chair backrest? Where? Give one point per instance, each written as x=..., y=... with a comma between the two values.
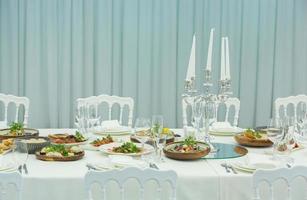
x=7, y=179
x=285, y=101
x=235, y=102
x=18, y=101
x=122, y=176
x=270, y=176
x=111, y=100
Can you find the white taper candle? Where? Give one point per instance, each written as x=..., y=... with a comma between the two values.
x=191, y=67
x=227, y=70
x=209, y=58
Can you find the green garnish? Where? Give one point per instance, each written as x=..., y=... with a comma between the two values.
x=127, y=147
x=79, y=137
x=56, y=148
x=16, y=128
x=253, y=133
x=189, y=141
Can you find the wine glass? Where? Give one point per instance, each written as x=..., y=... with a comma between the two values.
x=156, y=131
x=142, y=130
x=93, y=117
x=274, y=133
x=197, y=113
x=20, y=154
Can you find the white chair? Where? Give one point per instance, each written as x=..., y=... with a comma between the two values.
x=111, y=100
x=122, y=176
x=7, y=179
x=235, y=102
x=282, y=103
x=18, y=101
x=270, y=176
x=230, y=102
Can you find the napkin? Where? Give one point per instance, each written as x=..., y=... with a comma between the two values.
x=223, y=127
x=110, y=124
x=259, y=161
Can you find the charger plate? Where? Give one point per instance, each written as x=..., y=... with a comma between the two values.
x=225, y=151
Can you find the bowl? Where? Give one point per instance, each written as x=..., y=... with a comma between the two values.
x=30, y=145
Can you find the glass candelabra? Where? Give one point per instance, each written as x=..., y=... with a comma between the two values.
x=208, y=100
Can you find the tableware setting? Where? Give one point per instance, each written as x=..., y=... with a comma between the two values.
x=111, y=127
x=60, y=153
x=189, y=149
x=126, y=148
x=96, y=143
x=224, y=129
x=68, y=139
x=254, y=161
x=17, y=130
x=253, y=138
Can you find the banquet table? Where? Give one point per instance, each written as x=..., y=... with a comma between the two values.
x=201, y=179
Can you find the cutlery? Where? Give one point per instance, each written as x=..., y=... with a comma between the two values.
x=89, y=167
x=153, y=165
x=232, y=168
x=20, y=169
x=226, y=167
x=288, y=165
x=25, y=168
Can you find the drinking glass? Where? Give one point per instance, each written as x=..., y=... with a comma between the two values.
x=142, y=130
x=209, y=118
x=93, y=117
x=274, y=133
x=156, y=131
x=197, y=113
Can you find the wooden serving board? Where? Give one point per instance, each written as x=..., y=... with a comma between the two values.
x=64, y=159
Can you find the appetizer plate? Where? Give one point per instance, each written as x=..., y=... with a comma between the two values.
x=33, y=144
x=253, y=167
x=245, y=141
x=171, y=153
x=56, y=158
x=90, y=147
x=108, y=149
x=5, y=133
x=72, y=144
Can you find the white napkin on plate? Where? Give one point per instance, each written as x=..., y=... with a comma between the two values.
x=110, y=124
x=223, y=127
x=258, y=161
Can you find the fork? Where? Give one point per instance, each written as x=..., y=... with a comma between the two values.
x=226, y=167
x=25, y=168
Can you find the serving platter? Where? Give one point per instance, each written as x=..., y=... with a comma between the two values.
x=108, y=149
x=75, y=157
x=170, y=153
x=245, y=141
x=4, y=133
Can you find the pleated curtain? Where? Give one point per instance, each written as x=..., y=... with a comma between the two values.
x=54, y=51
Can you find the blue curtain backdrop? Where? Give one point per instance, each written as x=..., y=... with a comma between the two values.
x=54, y=51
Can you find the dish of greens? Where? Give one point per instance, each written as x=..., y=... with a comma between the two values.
x=60, y=153
x=127, y=148
x=66, y=139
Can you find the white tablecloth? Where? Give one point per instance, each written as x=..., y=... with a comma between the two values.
x=202, y=179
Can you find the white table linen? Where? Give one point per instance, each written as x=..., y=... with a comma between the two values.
x=201, y=179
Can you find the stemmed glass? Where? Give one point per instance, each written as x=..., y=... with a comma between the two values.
x=20, y=155
x=142, y=130
x=274, y=133
x=158, y=138
x=197, y=113
x=209, y=118
x=93, y=117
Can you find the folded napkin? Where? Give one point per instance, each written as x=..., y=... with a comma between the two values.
x=110, y=124
x=223, y=127
x=258, y=161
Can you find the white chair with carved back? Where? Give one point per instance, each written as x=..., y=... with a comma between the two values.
x=10, y=179
x=289, y=175
x=230, y=102
x=111, y=100
x=132, y=173
x=18, y=101
x=282, y=104
x=235, y=102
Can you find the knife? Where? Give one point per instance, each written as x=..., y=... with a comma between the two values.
x=25, y=168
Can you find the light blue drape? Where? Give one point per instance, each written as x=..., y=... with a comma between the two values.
x=54, y=51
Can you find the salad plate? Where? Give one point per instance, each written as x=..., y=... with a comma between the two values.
x=60, y=153
x=189, y=149
x=253, y=138
x=95, y=144
x=67, y=139
x=127, y=148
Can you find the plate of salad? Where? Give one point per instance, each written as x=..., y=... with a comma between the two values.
x=126, y=148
